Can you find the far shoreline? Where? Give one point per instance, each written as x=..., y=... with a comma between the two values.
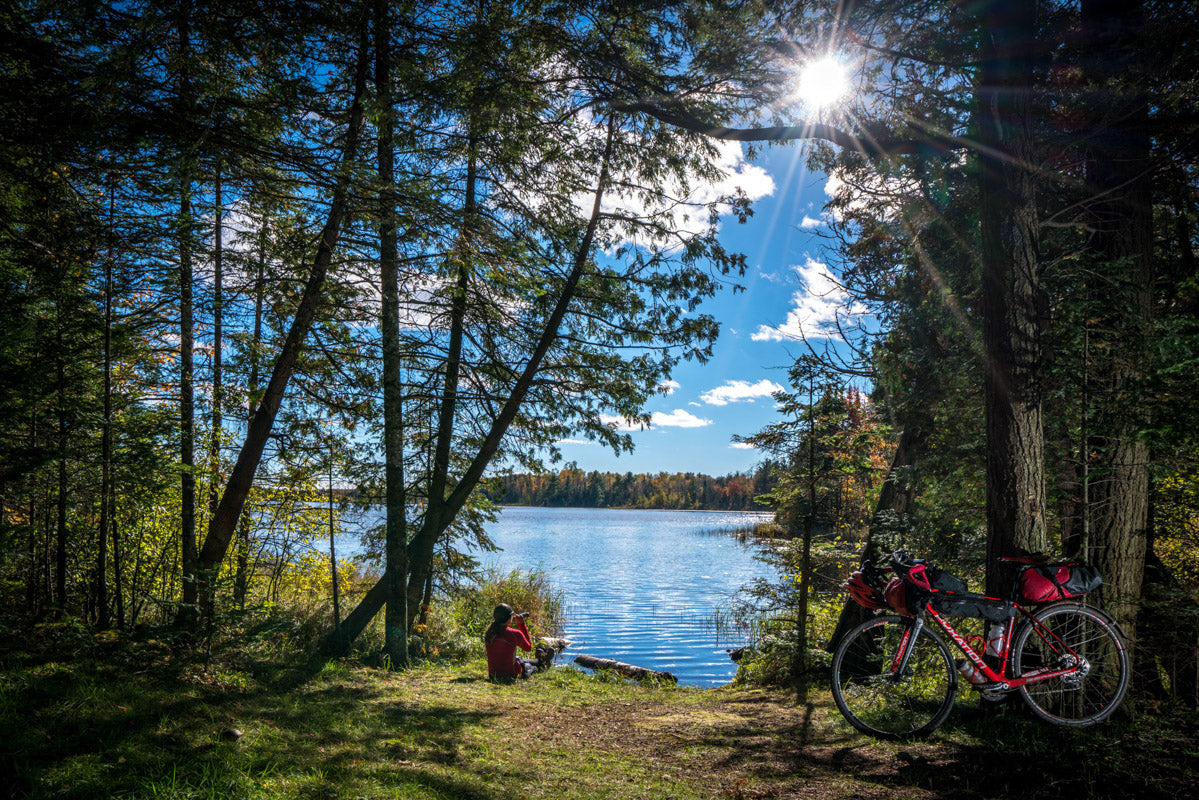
x=639, y=508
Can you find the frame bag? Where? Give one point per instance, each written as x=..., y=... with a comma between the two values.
x=1045, y=583
x=989, y=608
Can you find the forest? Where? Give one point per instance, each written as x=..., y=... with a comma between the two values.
x=571, y=486
x=254, y=256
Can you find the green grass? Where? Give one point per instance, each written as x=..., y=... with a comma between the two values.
x=137, y=720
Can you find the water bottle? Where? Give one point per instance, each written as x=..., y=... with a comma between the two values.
x=970, y=672
x=996, y=639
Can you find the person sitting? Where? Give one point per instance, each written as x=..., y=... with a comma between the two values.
x=502, y=641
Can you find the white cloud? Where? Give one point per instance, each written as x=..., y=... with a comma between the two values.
x=741, y=446
x=685, y=212
x=816, y=307
x=679, y=419
x=809, y=223
x=739, y=391
x=668, y=387
x=674, y=419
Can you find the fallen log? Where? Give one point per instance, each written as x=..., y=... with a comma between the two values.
x=627, y=670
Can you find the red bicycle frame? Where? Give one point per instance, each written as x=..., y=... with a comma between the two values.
x=995, y=677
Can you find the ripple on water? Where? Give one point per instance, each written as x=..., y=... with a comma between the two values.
x=640, y=585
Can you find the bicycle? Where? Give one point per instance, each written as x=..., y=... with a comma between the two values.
x=894, y=676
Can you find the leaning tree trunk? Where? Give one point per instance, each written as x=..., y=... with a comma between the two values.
x=894, y=501
x=442, y=510
x=241, y=478
x=1013, y=304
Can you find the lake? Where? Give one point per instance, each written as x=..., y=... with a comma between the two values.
x=641, y=587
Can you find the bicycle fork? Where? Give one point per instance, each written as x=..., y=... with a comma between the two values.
x=899, y=664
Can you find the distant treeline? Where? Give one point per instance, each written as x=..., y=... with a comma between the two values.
x=679, y=490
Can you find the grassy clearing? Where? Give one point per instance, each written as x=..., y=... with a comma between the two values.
x=142, y=720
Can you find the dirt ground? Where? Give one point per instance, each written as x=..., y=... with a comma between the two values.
x=751, y=744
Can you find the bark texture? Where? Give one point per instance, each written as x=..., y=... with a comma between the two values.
x=1013, y=303
x=1119, y=210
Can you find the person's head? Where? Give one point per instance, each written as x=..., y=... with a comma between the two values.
x=499, y=622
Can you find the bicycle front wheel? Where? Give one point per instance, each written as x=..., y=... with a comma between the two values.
x=1068, y=635
x=878, y=700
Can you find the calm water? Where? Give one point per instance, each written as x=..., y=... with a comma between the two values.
x=640, y=586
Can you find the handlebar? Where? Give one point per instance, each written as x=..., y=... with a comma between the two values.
x=898, y=562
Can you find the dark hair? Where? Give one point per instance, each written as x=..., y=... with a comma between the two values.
x=499, y=624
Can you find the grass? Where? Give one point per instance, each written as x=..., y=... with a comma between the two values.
x=141, y=719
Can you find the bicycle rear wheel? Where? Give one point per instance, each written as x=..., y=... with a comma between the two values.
x=882, y=703
x=1074, y=634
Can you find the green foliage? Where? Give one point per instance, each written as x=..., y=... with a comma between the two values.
x=1176, y=540
x=455, y=625
x=571, y=487
x=771, y=607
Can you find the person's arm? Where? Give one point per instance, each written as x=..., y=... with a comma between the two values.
x=522, y=634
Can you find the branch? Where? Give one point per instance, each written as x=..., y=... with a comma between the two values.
x=870, y=143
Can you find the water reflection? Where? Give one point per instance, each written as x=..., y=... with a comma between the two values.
x=641, y=586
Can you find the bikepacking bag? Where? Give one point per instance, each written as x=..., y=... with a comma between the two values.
x=901, y=597
x=906, y=595
x=991, y=609
x=931, y=579
x=1045, y=583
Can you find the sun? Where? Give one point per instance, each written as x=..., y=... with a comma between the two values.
x=822, y=83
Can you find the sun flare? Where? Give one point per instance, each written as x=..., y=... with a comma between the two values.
x=823, y=82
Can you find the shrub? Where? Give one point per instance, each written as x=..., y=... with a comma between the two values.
x=454, y=626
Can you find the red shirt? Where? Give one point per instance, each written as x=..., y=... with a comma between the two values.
x=501, y=652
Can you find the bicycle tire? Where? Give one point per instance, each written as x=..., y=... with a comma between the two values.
x=1073, y=700
x=870, y=697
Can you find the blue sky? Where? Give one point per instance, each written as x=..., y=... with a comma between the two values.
x=784, y=283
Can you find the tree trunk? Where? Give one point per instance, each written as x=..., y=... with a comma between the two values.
x=805, y=563
x=242, y=577
x=188, y=609
x=436, y=520
x=395, y=624
x=102, y=619
x=1013, y=304
x=241, y=477
x=218, y=343
x=1120, y=211
x=117, y=567
x=60, y=549
x=627, y=670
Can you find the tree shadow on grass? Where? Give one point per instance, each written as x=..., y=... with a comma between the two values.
x=85, y=731
x=977, y=754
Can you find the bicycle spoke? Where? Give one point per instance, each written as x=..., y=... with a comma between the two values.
x=875, y=700
x=1082, y=640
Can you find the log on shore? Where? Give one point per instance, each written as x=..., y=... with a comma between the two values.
x=627, y=670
